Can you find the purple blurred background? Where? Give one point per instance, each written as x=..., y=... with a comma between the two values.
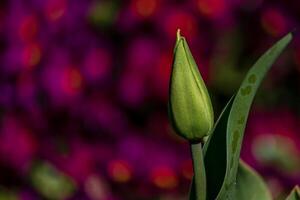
x=84, y=88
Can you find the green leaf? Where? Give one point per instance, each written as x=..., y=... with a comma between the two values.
x=249, y=185
x=190, y=107
x=241, y=106
x=295, y=194
x=215, y=154
x=222, y=151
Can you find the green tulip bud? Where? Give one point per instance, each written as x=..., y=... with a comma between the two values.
x=190, y=108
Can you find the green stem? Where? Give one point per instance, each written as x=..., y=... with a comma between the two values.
x=199, y=171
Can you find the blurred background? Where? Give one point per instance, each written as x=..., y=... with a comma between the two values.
x=84, y=88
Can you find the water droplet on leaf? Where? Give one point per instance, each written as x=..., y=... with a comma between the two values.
x=241, y=120
x=252, y=78
x=246, y=90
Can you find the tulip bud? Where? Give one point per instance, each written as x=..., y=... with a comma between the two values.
x=190, y=108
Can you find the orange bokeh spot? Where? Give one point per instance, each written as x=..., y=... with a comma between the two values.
x=31, y=55
x=145, y=8
x=187, y=169
x=211, y=8
x=28, y=28
x=72, y=81
x=55, y=9
x=164, y=177
x=273, y=22
x=119, y=171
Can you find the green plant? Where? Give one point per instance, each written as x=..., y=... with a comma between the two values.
x=218, y=171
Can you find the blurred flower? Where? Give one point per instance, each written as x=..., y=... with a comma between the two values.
x=20, y=58
x=55, y=9
x=13, y=135
x=212, y=8
x=31, y=55
x=144, y=8
x=164, y=177
x=174, y=19
x=96, y=188
x=271, y=143
x=187, y=169
x=97, y=65
x=28, y=28
x=119, y=171
x=278, y=151
x=62, y=80
x=274, y=22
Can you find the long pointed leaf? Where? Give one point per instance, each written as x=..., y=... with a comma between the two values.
x=222, y=150
x=240, y=110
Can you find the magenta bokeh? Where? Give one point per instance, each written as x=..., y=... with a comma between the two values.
x=84, y=88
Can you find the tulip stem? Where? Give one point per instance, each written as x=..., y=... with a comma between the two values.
x=199, y=171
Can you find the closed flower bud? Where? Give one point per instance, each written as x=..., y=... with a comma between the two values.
x=190, y=108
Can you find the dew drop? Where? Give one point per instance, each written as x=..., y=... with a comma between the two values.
x=241, y=120
x=252, y=78
x=246, y=90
